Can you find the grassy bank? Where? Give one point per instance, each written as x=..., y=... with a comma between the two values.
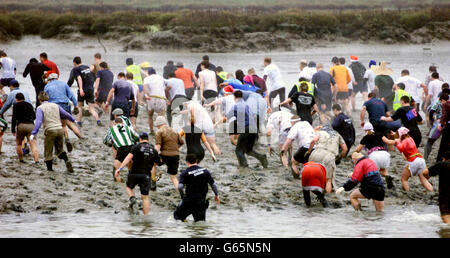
x=374, y=24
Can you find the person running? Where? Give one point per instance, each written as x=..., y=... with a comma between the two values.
x=377, y=109
x=369, y=76
x=444, y=128
x=352, y=81
x=324, y=84
x=155, y=95
x=122, y=138
x=412, y=85
x=49, y=115
x=8, y=65
x=137, y=77
x=342, y=78
x=168, y=143
x=53, y=67
x=247, y=128
x=102, y=86
x=144, y=158
x=123, y=94
x=274, y=81
x=384, y=83
x=3, y=127
x=375, y=144
x=193, y=136
x=23, y=120
x=60, y=94
x=304, y=103
x=188, y=78
x=37, y=71
x=324, y=149
x=434, y=89
x=303, y=133
x=135, y=89
x=280, y=123
x=435, y=117
x=168, y=69
x=443, y=170
x=212, y=67
x=195, y=180
x=314, y=180
x=208, y=84
x=221, y=75
x=367, y=174
x=410, y=119
x=11, y=100
x=344, y=126
x=95, y=67
x=358, y=70
x=175, y=94
x=309, y=71
x=85, y=80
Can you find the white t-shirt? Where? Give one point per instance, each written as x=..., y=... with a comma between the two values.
x=279, y=121
x=155, y=85
x=8, y=67
x=209, y=79
x=352, y=77
x=303, y=133
x=411, y=85
x=201, y=116
x=370, y=76
x=176, y=87
x=135, y=89
x=274, y=79
x=434, y=88
x=307, y=73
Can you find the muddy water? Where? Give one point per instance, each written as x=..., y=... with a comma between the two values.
x=256, y=203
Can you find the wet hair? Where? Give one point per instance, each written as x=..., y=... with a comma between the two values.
x=337, y=107
x=43, y=96
x=335, y=60
x=191, y=158
x=205, y=63
x=406, y=72
x=303, y=79
x=237, y=94
x=19, y=96
x=98, y=55
x=118, y=120
x=2, y=53
x=33, y=60
x=268, y=59
x=43, y=55
x=432, y=69
x=405, y=99
x=77, y=60
x=240, y=75
x=103, y=65
x=444, y=96
x=205, y=58
x=435, y=75
x=219, y=69
x=401, y=85
x=129, y=76
x=121, y=74
x=304, y=87
x=342, y=60
x=372, y=95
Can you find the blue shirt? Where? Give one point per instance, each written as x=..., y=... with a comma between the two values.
x=244, y=117
x=59, y=93
x=12, y=99
x=243, y=87
x=376, y=109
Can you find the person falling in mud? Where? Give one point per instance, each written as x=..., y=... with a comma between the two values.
x=416, y=165
x=365, y=172
x=144, y=158
x=168, y=143
x=195, y=179
x=49, y=116
x=279, y=121
x=314, y=179
x=122, y=137
x=443, y=170
x=247, y=129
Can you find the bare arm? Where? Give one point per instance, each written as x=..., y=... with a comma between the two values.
x=80, y=85
x=286, y=145
x=97, y=82
x=362, y=115
x=110, y=94
x=344, y=149
x=359, y=148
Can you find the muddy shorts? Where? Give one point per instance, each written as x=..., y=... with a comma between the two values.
x=195, y=207
x=361, y=87
x=342, y=95
x=326, y=159
x=122, y=153
x=139, y=179
x=416, y=166
x=172, y=163
x=300, y=157
x=209, y=95
x=102, y=97
x=88, y=97
x=157, y=105
x=381, y=158
x=24, y=130
x=373, y=192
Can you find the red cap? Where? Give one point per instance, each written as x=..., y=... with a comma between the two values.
x=355, y=58
x=228, y=89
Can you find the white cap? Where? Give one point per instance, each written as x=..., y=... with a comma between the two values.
x=160, y=120
x=52, y=76
x=368, y=127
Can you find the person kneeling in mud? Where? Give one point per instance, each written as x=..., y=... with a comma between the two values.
x=443, y=170
x=314, y=179
x=195, y=179
x=365, y=172
x=142, y=173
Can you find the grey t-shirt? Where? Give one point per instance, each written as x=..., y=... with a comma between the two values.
x=176, y=87
x=123, y=92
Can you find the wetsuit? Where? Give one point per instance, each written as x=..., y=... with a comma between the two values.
x=443, y=170
x=193, y=136
x=344, y=126
x=195, y=179
x=366, y=172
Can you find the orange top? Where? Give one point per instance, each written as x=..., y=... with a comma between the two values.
x=341, y=76
x=409, y=149
x=186, y=76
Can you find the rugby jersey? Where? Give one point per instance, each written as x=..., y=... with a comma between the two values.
x=120, y=135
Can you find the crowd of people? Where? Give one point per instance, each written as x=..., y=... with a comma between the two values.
x=313, y=137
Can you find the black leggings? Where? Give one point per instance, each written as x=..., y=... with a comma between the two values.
x=275, y=93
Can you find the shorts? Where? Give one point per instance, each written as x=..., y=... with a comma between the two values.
x=136, y=109
x=299, y=155
x=24, y=130
x=209, y=95
x=361, y=87
x=416, y=166
x=381, y=158
x=195, y=207
x=123, y=152
x=102, y=97
x=326, y=159
x=88, y=97
x=209, y=133
x=141, y=87
x=172, y=163
x=374, y=192
x=3, y=125
x=125, y=108
x=5, y=81
x=189, y=92
x=142, y=180
x=342, y=95
x=324, y=100
x=350, y=92
x=156, y=105
x=66, y=107
x=313, y=178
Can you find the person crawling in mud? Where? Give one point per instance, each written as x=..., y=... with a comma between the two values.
x=195, y=180
x=443, y=170
x=365, y=172
x=142, y=173
x=314, y=179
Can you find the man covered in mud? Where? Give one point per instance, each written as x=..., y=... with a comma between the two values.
x=443, y=170
x=142, y=173
x=195, y=180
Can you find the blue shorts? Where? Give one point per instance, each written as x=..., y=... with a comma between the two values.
x=141, y=88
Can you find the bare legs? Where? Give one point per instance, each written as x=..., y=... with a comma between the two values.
x=355, y=195
x=423, y=177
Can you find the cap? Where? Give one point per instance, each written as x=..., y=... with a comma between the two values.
x=117, y=111
x=368, y=127
x=354, y=58
x=14, y=83
x=179, y=64
x=145, y=65
x=52, y=76
x=160, y=120
x=402, y=131
x=143, y=136
x=228, y=89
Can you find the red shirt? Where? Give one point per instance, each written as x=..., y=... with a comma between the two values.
x=186, y=76
x=409, y=149
x=52, y=66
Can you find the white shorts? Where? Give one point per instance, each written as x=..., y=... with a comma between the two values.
x=417, y=166
x=157, y=105
x=381, y=158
